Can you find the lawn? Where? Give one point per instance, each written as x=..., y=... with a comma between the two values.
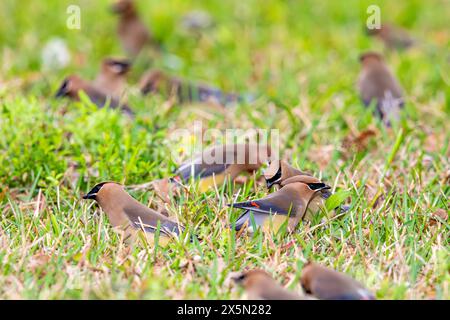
x=300, y=58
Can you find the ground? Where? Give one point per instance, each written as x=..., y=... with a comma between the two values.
x=301, y=59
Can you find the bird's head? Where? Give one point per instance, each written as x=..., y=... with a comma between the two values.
x=273, y=173
x=249, y=278
x=103, y=189
x=370, y=56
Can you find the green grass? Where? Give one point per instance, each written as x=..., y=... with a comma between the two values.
x=300, y=53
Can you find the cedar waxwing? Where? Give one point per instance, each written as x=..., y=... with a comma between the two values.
x=73, y=84
x=327, y=284
x=281, y=173
x=392, y=37
x=215, y=165
x=259, y=285
x=156, y=81
x=196, y=21
x=317, y=203
x=290, y=204
x=278, y=171
x=111, y=80
x=377, y=83
x=129, y=216
x=133, y=33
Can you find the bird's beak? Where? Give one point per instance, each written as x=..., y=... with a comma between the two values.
x=90, y=196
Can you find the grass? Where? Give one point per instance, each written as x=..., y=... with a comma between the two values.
x=300, y=53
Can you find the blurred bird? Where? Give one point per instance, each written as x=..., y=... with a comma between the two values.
x=377, y=84
x=392, y=37
x=111, y=80
x=133, y=33
x=73, y=84
x=196, y=21
x=156, y=81
x=129, y=216
x=289, y=204
x=327, y=284
x=214, y=166
x=259, y=285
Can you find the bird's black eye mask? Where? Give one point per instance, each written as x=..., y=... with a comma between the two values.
x=317, y=186
x=93, y=193
x=275, y=178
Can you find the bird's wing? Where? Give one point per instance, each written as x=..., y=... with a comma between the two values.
x=199, y=170
x=274, y=203
x=144, y=218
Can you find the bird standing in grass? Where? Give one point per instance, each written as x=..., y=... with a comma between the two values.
x=278, y=171
x=214, y=166
x=281, y=173
x=157, y=81
x=133, y=33
x=393, y=37
x=287, y=205
x=327, y=284
x=259, y=285
x=111, y=80
x=73, y=85
x=378, y=85
x=129, y=216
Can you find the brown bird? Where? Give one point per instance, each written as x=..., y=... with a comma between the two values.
x=377, y=84
x=111, y=80
x=327, y=284
x=73, y=85
x=259, y=285
x=129, y=216
x=278, y=171
x=156, y=81
x=281, y=173
x=317, y=203
x=289, y=204
x=214, y=166
x=133, y=33
x=392, y=37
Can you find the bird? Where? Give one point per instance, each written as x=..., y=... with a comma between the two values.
x=133, y=33
x=157, y=81
x=111, y=80
x=129, y=216
x=259, y=285
x=72, y=85
x=287, y=205
x=328, y=284
x=281, y=173
x=317, y=203
x=214, y=166
x=377, y=84
x=278, y=171
x=393, y=37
